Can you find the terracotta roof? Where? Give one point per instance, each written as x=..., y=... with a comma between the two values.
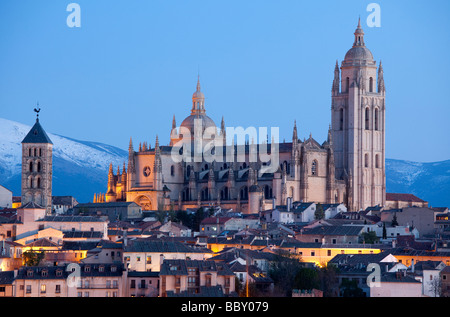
x=43, y=242
x=402, y=197
x=213, y=220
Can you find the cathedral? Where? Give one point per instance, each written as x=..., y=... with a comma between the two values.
x=348, y=168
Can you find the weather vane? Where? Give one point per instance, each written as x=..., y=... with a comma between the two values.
x=37, y=110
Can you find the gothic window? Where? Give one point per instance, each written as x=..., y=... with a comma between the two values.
x=244, y=193
x=267, y=192
x=366, y=160
x=186, y=194
x=377, y=161
x=205, y=194
x=38, y=182
x=314, y=168
x=188, y=171
x=35, y=152
x=371, y=84
x=40, y=152
x=29, y=152
x=224, y=193
x=376, y=119
x=347, y=84
x=31, y=167
x=367, y=119
x=341, y=119
x=38, y=166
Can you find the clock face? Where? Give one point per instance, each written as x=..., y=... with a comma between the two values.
x=147, y=171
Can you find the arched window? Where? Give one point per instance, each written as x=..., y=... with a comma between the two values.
x=31, y=167
x=38, y=182
x=347, y=84
x=371, y=84
x=224, y=193
x=341, y=119
x=205, y=194
x=366, y=160
x=267, y=192
x=244, y=193
x=186, y=194
x=314, y=168
x=35, y=152
x=377, y=161
x=188, y=171
x=367, y=119
x=376, y=119
x=38, y=167
x=172, y=170
x=29, y=152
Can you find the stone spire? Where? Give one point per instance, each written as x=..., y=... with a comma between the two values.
x=198, y=100
x=359, y=35
x=336, y=80
x=381, y=87
x=294, y=133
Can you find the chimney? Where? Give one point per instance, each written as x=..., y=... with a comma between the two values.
x=125, y=238
x=289, y=203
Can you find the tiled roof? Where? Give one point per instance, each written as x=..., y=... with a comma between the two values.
x=180, y=267
x=37, y=135
x=403, y=197
x=71, y=219
x=43, y=242
x=83, y=234
x=157, y=246
x=334, y=230
x=31, y=205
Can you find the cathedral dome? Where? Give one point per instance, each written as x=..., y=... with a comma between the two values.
x=359, y=53
x=204, y=120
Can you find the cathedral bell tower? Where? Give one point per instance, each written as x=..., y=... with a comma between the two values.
x=358, y=126
x=37, y=164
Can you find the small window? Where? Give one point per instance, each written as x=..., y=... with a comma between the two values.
x=367, y=119
x=314, y=168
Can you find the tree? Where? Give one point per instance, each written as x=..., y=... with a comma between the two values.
x=394, y=221
x=32, y=258
x=319, y=213
x=351, y=289
x=307, y=279
x=369, y=237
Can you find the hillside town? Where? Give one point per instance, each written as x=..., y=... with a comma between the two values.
x=300, y=249
x=319, y=224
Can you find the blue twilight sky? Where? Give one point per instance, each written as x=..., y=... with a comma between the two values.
x=133, y=64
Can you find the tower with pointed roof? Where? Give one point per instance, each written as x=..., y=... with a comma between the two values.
x=37, y=166
x=358, y=125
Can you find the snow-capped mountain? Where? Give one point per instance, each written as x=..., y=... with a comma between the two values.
x=428, y=181
x=80, y=168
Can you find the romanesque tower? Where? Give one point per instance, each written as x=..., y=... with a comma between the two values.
x=37, y=149
x=358, y=126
